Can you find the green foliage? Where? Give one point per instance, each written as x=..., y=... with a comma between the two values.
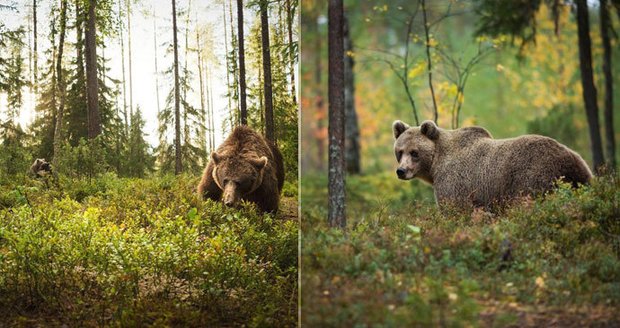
x=131, y=252
x=407, y=264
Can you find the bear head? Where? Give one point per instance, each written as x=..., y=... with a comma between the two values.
x=414, y=149
x=237, y=175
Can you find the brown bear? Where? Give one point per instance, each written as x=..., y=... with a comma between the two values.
x=40, y=168
x=468, y=168
x=245, y=167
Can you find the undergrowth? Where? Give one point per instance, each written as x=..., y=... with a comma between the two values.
x=111, y=251
x=402, y=263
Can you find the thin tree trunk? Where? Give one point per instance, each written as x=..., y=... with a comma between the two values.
x=36, y=53
x=336, y=209
x=211, y=118
x=429, y=61
x=261, y=97
x=178, y=168
x=269, y=126
x=320, y=103
x=352, y=134
x=129, y=58
x=235, y=70
x=587, y=82
x=289, y=24
x=186, y=133
x=229, y=87
x=203, y=112
x=60, y=84
x=120, y=28
x=92, y=83
x=242, y=88
x=605, y=25
x=156, y=68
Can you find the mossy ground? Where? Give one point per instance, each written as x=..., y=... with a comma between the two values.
x=552, y=261
x=134, y=252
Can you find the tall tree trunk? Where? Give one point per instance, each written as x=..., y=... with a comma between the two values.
x=129, y=58
x=605, y=25
x=320, y=102
x=92, y=84
x=242, y=88
x=60, y=83
x=186, y=133
x=36, y=53
x=178, y=167
x=229, y=87
x=352, y=134
x=235, y=70
x=336, y=209
x=156, y=68
x=124, y=82
x=587, y=82
x=290, y=16
x=264, y=20
x=203, y=112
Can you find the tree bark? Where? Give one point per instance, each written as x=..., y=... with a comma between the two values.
x=129, y=60
x=60, y=83
x=242, y=88
x=267, y=86
x=36, y=54
x=178, y=167
x=92, y=83
x=289, y=24
x=587, y=81
x=203, y=112
x=605, y=24
x=352, y=134
x=336, y=209
x=124, y=82
x=228, y=86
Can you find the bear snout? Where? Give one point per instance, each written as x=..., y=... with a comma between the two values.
x=400, y=172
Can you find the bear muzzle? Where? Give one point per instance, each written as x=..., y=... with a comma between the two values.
x=230, y=196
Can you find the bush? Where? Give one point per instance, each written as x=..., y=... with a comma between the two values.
x=132, y=251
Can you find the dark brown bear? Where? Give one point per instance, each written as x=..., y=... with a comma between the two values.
x=468, y=168
x=245, y=167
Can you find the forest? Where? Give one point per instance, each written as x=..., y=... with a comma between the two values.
x=127, y=99
x=390, y=257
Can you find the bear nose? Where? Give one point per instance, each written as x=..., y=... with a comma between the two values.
x=228, y=203
x=400, y=172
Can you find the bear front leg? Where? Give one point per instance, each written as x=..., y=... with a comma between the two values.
x=207, y=187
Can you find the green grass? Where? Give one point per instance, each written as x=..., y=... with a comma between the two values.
x=401, y=262
x=124, y=252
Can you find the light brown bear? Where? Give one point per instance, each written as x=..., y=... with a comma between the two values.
x=245, y=167
x=468, y=168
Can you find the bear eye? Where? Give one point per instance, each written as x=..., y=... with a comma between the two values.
x=414, y=154
x=399, y=154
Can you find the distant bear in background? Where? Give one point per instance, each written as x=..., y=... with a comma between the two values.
x=245, y=167
x=40, y=168
x=468, y=168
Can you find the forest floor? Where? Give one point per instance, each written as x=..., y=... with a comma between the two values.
x=134, y=252
x=548, y=262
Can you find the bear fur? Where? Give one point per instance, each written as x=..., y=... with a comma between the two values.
x=40, y=168
x=245, y=167
x=468, y=168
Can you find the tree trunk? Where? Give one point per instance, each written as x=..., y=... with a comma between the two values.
x=290, y=16
x=605, y=25
x=60, y=83
x=124, y=82
x=203, y=112
x=336, y=209
x=156, y=68
x=228, y=86
x=587, y=82
x=129, y=58
x=178, y=167
x=235, y=69
x=92, y=83
x=242, y=92
x=320, y=103
x=264, y=19
x=36, y=53
x=352, y=134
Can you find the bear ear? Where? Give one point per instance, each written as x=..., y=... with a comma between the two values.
x=260, y=163
x=215, y=157
x=398, y=127
x=430, y=129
